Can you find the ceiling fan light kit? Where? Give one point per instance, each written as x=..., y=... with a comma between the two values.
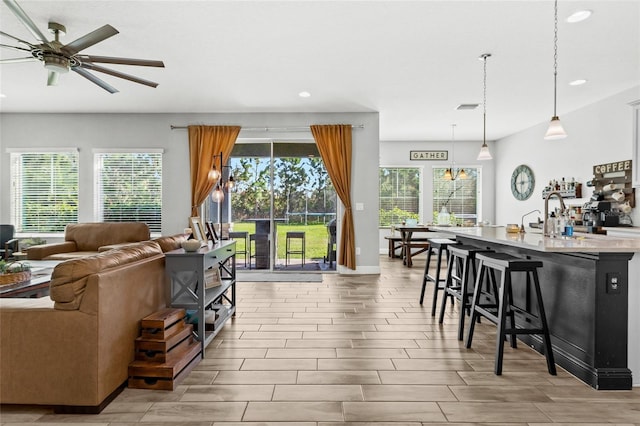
x=58, y=58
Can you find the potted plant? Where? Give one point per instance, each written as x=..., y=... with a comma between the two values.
x=14, y=272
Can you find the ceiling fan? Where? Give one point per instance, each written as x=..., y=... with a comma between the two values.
x=59, y=58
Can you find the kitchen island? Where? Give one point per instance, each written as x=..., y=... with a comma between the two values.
x=585, y=284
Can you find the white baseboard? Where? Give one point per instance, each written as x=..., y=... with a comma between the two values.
x=360, y=270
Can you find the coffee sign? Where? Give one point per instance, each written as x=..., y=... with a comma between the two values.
x=618, y=166
x=429, y=155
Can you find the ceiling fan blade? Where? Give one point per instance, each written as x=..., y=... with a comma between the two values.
x=119, y=74
x=16, y=60
x=15, y=48
x=52, y=79
x=90, y=39
x=122, y=61
x=26, y=21
x=16, y=39
x=86, y=74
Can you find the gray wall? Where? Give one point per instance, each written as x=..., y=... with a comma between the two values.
x=90, y=131
x=598, y=133
x=396, y=154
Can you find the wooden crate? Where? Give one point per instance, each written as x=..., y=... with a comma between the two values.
x=166, y=351
x=163, y=323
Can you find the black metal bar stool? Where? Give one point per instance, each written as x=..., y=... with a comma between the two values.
x=244, y=248
x=439, y=245
x=300, y=249
x=507, y=264
x=461, y=269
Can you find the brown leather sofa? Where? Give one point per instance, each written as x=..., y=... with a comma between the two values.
x=86, y=239
x=71, y=350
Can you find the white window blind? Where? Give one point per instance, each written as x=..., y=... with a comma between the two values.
x=44, y=190
x=399, y=194
x=128, y=187
x=459, y=197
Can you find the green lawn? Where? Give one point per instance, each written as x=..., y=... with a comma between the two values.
x=315, y=236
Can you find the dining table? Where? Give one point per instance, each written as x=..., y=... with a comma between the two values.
x=410, y=242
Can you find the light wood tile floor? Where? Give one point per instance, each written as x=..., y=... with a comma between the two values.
x=357, y=350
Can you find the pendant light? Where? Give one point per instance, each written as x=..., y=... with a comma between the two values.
x=555, y=130
x=450, y=173
x=221, y=186
x=484, y=150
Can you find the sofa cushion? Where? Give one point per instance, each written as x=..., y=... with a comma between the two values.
x=92, y=236
x=171, y=242
x=69, y=279
x=112, y=246
x=71, y=255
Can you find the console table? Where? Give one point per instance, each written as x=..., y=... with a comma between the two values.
x=204, y=283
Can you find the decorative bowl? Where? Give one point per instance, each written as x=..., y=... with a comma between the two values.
x=513, y=228
x=191, y=245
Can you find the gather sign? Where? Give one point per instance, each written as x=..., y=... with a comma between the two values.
x=429, y=155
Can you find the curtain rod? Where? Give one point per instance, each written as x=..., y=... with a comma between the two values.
x=272, y=129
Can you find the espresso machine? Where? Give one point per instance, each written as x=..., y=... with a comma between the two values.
x=599, y=213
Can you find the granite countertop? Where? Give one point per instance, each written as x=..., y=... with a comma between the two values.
x=533, y=239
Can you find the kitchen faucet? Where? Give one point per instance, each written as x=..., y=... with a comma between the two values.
x=546, y=210
x=522, y=219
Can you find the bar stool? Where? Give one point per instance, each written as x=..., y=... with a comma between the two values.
x=439, y=245
x=289, y=250
x=461, y=269
x=507, y=264
x=259, y=250
x=241, y=236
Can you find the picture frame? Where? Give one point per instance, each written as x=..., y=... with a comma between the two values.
x=212, y=278
x=197, y=229
x=211, y=232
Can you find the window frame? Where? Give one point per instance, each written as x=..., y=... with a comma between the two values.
x=420, y=190
x=98, y=190
x=478, y=190
x=17, y=212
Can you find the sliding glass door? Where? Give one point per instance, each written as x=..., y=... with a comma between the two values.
x=285, y=203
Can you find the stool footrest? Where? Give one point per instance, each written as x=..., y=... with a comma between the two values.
x=433, y=279
x=523, y=331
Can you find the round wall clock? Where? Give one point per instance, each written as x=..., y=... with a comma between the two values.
x=522, y=182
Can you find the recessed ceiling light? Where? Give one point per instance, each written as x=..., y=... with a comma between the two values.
x=579, y=16
x=304, y=94
x=463, y=107
x=578, y=82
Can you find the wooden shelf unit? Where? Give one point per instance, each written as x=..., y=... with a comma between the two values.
x=203, y=294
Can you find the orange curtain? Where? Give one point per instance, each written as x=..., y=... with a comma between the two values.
x=205, y=142
x=334, y=144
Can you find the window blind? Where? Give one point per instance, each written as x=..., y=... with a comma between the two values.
x=128, y=187
x=459, y=197
x=44, y=190
x=399, y=194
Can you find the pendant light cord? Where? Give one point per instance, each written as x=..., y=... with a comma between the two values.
x=555, y=57
x=484, y=102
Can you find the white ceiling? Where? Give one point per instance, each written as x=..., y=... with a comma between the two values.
x=412, y=61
